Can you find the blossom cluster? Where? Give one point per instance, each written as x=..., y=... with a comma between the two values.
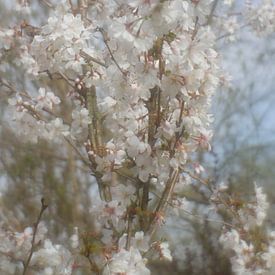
x=262, y=17
x=250, y=256
x=47, y=258
x=137, y=78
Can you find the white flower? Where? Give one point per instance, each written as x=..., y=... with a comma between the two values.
x=228, y=2
x=46, y=99
x=26, y=236
x=198, y=168
x=165, y=252
x=230, y=239
x=75, y=239
x=140, y=241
x=262, y=205
x=262, y=17
x=203, y=140
x=54, y=256
x=56, y=129
x=106, y=104
x=254, y=214
x=124, y=194
x=81, y=116
x=126, y=262
x=59, y=42
x=111, y=211
x=6, y=38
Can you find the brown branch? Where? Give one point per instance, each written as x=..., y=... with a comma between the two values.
x=96, y=139
x=164, y=200
x=85, y=161
x=47, y=3
x=90, y=59
x=178, y=124
x=104, y=35
x=27, y=263
x=198, y=216
x=93, y=265
x=129, y=230
x=8, y=85
x=221, y=200
x=196, y=28
x=66, y=79
x=210, y=16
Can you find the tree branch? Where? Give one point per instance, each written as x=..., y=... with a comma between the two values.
x=27, y=263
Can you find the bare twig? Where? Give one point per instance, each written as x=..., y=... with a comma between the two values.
x=35, y=228
x=204, y=182
x=222, y=201
x=164, y=200
x=153, y=120
x=210, y=16
x=129, y=231
x=85, y=161
x=229, y=34
x=47, y=3
x=8, y=85
x=198, y=216
x=104, y=35
x=195, y=31
x=96, y=139
x=82, y=7
x=90, y=59
x=66, y=79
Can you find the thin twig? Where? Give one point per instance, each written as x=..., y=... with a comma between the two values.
x=77, y=151
x=43, y=208
x=8, y=85
x=197, y=216
x=90, y=59
x=47, y=3
x=101, y=30
x=222, y=201
x=66, y=79
x=230, y=34
x=210, y=16
x=204, y=182
x=165, y=197
x=129, y=231
x=195, y=31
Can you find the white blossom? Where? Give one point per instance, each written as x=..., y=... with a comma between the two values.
x=56, y=128
x=254, y=214
x=126, y=262
x=46, y=99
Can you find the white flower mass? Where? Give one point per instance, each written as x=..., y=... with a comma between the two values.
x=139, y=77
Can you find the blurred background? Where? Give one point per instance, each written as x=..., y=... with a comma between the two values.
x=243, y=152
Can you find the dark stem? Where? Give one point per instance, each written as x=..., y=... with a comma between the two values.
x=90, y=59
x=35, y=228
x=153, y=106
x=96, y=139
x=164, y=200
x=210, y=16
x=105, y=39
